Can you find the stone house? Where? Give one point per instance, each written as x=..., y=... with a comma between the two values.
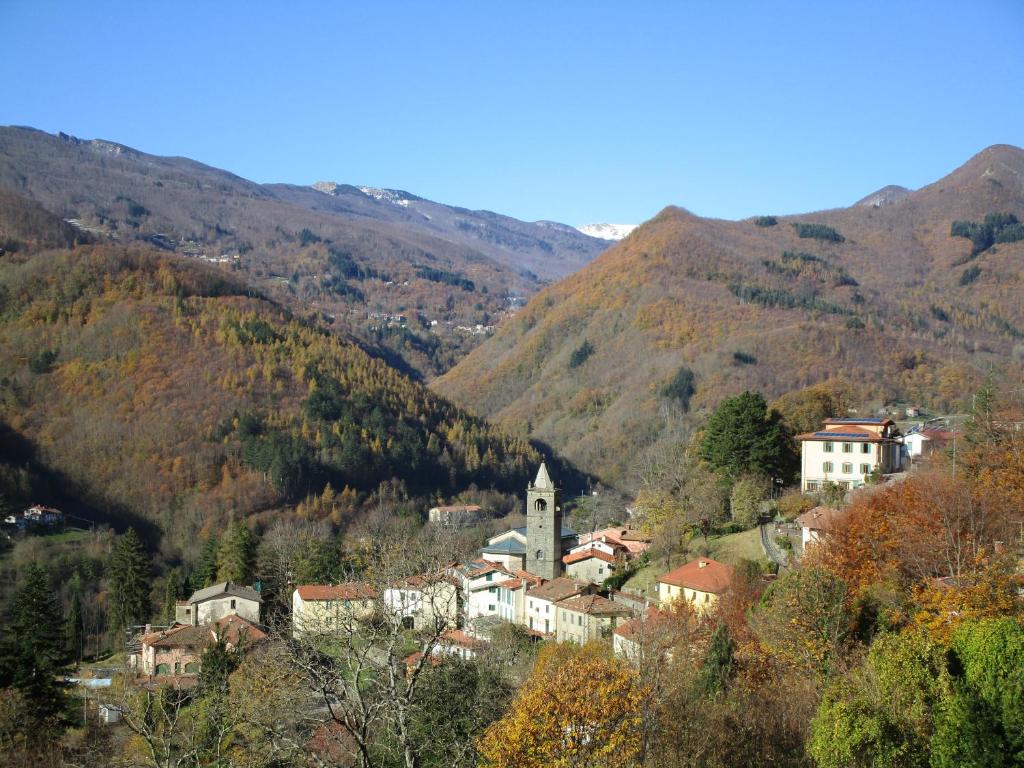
x=454, y=515
x=322, y=608
x=213, y=603
x=700, y=582
x=588, y=617
x=816, y=523
x=178, y=650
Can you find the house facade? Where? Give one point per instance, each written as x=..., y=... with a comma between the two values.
x=213, y=603
x=592, y=564
x=588, y=617
x=178, y=650
x=426, y=601
x=847, y=452
x=700, y=582
x=541, y=610
x=454, y=515
x=816, y=523
x=325, y=608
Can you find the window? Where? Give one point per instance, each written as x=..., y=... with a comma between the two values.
x=865, y=447
x=827, y=447
x=163, y=669
x=490, y=609
x=865, y=469
x=844, y=485
x=232, y=605
x=827, y=467
x=540, y=505
x=847, y=447
x=547, y=608
x=811, y=485
x=191, y=668
x=847, y=468
x=177, y=667
x=540, y=554
x=489, y=575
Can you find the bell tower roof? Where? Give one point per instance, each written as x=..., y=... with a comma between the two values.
x=543, y=478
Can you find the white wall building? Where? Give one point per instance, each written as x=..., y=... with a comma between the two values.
x=847, y=452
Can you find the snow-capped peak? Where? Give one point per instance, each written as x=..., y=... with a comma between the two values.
x=387, y=195
x=607, y=231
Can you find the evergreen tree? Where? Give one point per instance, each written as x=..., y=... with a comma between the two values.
x=717, y=667
x=36, y=646
x=129, y=583
x=73, y=625
x=205, y=572
x=174, y=588
x=237, y=554
x=743, y=436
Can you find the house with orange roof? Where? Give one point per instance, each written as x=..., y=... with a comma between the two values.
x=648, y=637
x=587, y=617
x=816, y=523
x=593, y=563
x=324, y=608
x=847, y=452
x=512, y=596
x=634, y=541
x=700, y=582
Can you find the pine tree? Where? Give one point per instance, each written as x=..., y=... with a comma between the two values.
x=717, y=667
x=743, y=436
x=36, y=647
x=174, y=587
x=73, y=625
x=205, y=572
x=129, y=583
x=237, y=555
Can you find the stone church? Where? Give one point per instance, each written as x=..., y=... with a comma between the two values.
x=538, y=548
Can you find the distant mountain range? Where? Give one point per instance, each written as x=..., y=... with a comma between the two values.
x=903, y=296
x=422, y=280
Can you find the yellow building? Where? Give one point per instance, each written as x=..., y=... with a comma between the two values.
x=700, y=582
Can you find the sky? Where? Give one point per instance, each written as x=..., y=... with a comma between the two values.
x=570, y=111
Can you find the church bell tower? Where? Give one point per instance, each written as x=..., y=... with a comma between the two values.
x=543, y=527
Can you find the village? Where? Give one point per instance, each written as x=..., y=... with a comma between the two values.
x=548, y=581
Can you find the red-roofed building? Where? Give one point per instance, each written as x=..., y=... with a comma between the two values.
x=926, y=441
x=816, y=523
x=701, y=582
x=847, y=452
x=592, y=564
x=177, y=651
x=322, y=608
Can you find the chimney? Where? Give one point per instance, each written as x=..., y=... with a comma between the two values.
x=148, y=629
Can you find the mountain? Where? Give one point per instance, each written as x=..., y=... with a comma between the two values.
x=884, y=301
x=607, y=231
x=423, y=281
x=546, y=249
x=163, y=392
x=885, y=196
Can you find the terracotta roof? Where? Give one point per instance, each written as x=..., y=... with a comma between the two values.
x=820, y=518
x=702, y=574
x=457, y=508
x=586, y=554
x=630, y=629
x=939, y=434
x=558, y=589
x=511, y=583
x=461, y=639
x=875, y=422
x=595, y=605
x=230, y=628
x=352, y=590
x=846, y=434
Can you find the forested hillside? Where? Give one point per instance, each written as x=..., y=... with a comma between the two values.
x=416, y=278
x=908, y=300
x=164, y=392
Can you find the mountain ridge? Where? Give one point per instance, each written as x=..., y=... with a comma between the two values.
x=882, y=300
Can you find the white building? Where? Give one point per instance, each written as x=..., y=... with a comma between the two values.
x=426, y=601
x=324, y=608
x=479, y=583
x=816, y=523
x=541, y=602
x=923, y=441
x=847, y=452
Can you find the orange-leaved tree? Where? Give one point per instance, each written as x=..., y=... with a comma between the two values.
x=581, y=708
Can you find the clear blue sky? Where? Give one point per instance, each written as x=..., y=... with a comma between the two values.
x=574, y=111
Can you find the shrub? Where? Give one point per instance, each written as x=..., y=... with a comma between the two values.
x=818, y=232
x=743, y=358
x=43, y=362
x=765, y=221
x=969, y=275
x=308, y=237
x=681, y=387
x=580, y=354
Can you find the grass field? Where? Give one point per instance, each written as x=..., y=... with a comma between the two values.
x=728, y=549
